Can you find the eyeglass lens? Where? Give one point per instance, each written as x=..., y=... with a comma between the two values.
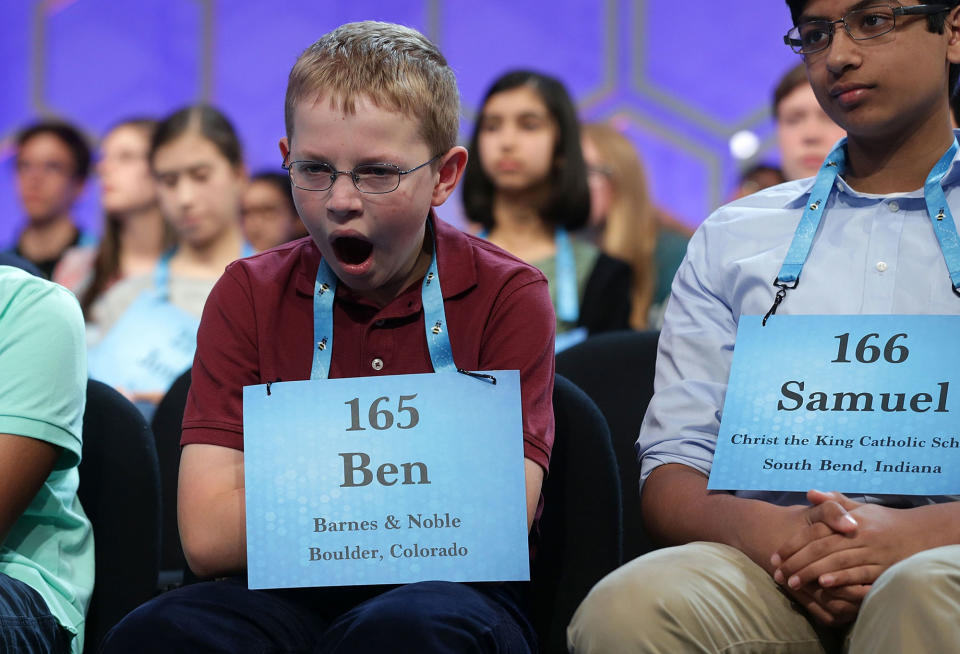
x=371, y=178
x=860, y=24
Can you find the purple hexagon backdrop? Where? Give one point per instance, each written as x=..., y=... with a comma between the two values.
x=680, y=79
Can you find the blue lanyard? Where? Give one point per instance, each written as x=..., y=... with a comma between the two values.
x=161, y=273
x=568, y=305
x=834, y=165
x=568, y=302
x=434, y=319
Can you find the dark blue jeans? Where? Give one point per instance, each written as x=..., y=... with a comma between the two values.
x=427, y=617
x=26, y=624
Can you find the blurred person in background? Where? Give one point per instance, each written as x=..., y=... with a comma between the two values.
x=526, y=186
x=52, y=165
x=269, y=215
x=135, y=234
x=805, y=134
x=756, y=178
x=146, y=325
x=624, y=221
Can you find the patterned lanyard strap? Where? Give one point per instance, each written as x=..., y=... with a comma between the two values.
x=834, y=165
x=568, y=304
x=161, y=272
x=435, y=320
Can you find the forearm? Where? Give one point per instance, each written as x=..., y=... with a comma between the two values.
x=533, y=479
x=219, y=547
x=211, y=509
x=678, y=508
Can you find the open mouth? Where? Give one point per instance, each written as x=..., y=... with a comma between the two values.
x=351, y=250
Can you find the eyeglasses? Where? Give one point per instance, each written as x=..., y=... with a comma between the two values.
x=600, y=171
x=860, y=24
x=368, y=178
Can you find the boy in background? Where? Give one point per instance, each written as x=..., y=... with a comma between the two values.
x=805, y=133
x=52, y=165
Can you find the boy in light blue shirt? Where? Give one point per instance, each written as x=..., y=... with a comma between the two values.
x=774, y=571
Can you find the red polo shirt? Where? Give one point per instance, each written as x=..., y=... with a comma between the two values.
x=257, y=327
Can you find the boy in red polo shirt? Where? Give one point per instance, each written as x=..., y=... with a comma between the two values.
x=372, y=112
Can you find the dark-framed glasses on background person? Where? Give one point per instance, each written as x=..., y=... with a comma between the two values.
x=870, y=22
x=368, y=178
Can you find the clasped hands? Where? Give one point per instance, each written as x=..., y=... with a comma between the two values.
x=830, y=562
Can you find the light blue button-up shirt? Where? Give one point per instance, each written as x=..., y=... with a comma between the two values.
x=872, y=254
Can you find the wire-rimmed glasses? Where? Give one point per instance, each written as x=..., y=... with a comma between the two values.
x=372, y=178
x=860, y=24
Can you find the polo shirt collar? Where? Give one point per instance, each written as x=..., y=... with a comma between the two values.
x=456, y=264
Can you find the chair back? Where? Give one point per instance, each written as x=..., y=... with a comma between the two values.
x=580, y=528
x=616, y=370
x=166, y=425
x=120, y=493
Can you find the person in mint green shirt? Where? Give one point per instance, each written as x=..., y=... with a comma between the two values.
x=46, y=542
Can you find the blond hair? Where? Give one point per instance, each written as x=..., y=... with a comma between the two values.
x=395, y=67
x=630, y=229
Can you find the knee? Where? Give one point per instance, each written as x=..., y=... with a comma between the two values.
x=141, y=630
x=922, y=579
x=415, y=608
x=427, y=617
x=626, y=606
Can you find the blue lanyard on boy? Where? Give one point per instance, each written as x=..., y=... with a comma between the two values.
x=834, y=165
x=161, y=273
x=435, y=321
x=568, y=303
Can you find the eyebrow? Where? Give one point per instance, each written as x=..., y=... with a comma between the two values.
x=364, y=161
x=185, y=169
x=806, y=18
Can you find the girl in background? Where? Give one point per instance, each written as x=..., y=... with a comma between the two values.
x=624, y=222
x=148, y=322
x=526, y=186
x=135, y=233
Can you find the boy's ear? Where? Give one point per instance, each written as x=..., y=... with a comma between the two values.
x=953, y=29
x=452, y=165
x=284, y=148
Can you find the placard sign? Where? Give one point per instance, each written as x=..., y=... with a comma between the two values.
x=857, y=404
x=385, y=480
x=149, y=346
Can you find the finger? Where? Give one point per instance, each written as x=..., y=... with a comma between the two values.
x=834, y=515
x=815, y=496
x=855, y=594
x=824, y=519
x=840, y=609
x=818, y=497
x=823, y=557
x=863, y=574
x=811, y=606
x=805, y=536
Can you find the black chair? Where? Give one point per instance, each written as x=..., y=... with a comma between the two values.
x=580, y=529
x=166, y=425
x=616, y=370
x=120, y=493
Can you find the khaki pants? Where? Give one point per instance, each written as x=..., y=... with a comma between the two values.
x=707, y=597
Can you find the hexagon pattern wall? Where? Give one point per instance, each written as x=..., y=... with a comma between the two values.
x=679, y=78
